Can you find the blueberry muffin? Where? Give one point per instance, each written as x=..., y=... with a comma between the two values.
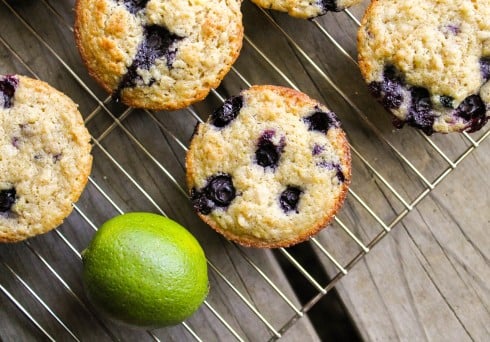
x=270, y=168
x=45, y=157
x=158, y=54
x=306, y=9
x=428, y=62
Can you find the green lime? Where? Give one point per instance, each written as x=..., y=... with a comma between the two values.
x=145, y=269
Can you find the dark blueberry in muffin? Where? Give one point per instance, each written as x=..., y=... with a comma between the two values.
x=134, y=6
x=289, y=199
x=446, y=101
x=196, y=129
x=420, y=112
x=7, y=199
x=389, y=91
x=15, y=142
x=329, y=5
x=157, y=42
x=473, y=110
x=321, y=121
x=334, y=166
x=8, y=84
x=57, y=157
x=219, y=192
x=485, y=68
x=201, y=203
x=317, y=149
x=454, y=29
x=397, y=122
x=268, y=154
x=225, y=114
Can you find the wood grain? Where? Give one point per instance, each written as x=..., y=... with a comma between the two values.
x=426, y=280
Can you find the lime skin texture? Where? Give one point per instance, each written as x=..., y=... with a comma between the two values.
x=146, y=270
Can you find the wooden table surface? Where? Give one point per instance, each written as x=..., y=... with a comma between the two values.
x=408, y=254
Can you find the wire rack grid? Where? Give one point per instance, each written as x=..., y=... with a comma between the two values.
x=139, y=165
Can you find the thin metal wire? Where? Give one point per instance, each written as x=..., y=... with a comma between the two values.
x=437, y=148
x=223, y=321
x=69, y=290
x=40, y=301
x=387, y=184
x=352, y=17
x=380, y=177
x=352, y=235
x=211, y=264
x=345, y=97
x=333, y=41
x=189, y=329
x=369, y=210
x=377, y=239
x=93, y=95
x=106, y=196
x=221, y=275
x=245, y=300
x=166, y=130
x=117, y=123
x=271, y=64
x=96, y=142
x=409, y=207
x=301, y=269
x=357, y=23
x=424, y=136
x=159, y=209
x=328, y=255
x=266, y=278
x=25, y=312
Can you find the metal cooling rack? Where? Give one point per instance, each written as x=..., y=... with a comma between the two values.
x=56, y=267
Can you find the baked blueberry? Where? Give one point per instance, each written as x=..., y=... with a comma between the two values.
x=322, y=121
x=333, y=166
x=201, y=203
x=306, y=9
x=446, y=101
x=218, y=192
x=420, y=112
x=134, y=6
x=7, y=199
x=317, y=149
x=289, y=199
x=454, y=29
x=221, y=190
x=37, y=193
x=8, y=84
x=268, y=154
x=278, y=195
x=472, y=110
x=225, y=114
x=391, y=88
x=422, y=80
x=329, y=5
x=389, y=91
x=485, y=68
x=15, y=142
x=159, y=55
x=157, y=42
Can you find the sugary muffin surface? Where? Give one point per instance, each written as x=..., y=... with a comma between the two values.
x=159, y=54
x=270, y=168
x=306, y=8
x=428, y=61
x=45, y=157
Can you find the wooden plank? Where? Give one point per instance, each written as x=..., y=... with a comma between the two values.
x=428, y=280
x=131, y=165
x=422, y=267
